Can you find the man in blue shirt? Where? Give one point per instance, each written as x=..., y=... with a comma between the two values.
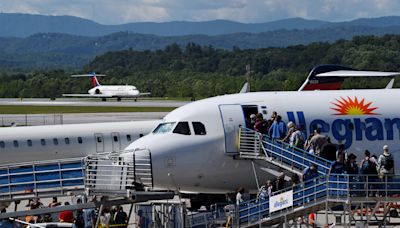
x=278, y=129
x=310, y=173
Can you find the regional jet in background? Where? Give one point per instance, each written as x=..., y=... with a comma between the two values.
x=108, y=91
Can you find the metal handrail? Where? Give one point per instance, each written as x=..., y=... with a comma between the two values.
x=334, y=188
x=254, y=144
x=61, y=176
x=131, y=169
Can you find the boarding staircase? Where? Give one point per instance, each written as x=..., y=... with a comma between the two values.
x=256, y=146
x=324, y=192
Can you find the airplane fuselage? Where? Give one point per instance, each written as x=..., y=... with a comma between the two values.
x=360, y=119
x=115, y=91
x=37, y=143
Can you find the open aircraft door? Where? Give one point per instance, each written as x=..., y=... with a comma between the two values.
x=232, y=119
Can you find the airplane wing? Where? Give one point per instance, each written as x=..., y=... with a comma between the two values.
x=87, y=95
x=331, y=77
x=357, y=73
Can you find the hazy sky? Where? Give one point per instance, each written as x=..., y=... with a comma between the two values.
x=123, y=11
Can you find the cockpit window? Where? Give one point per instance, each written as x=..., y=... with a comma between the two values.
x=199, y=128
x=164, y=128
x=182, y=128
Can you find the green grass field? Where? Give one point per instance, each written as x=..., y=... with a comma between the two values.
x=21, y=109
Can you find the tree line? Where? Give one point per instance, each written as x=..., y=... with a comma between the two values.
x=203, y=71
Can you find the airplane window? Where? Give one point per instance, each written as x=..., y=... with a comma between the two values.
x=141, y=135
x=55, y=141
x=115, y=138
x=99, y=140
x=182, y=128
x=16, y=143
x=128, y=138
x=80, y=140
x=29, y=142
x=2, y=144
x=199, y=128
x=43, y=142
x=163, y=128
x=66, y=140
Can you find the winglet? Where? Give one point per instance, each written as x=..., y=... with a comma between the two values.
x=390, y=84
x=245, y=88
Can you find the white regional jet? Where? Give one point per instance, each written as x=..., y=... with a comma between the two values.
x=38, y=143
x=193, y=148
x=107, y=91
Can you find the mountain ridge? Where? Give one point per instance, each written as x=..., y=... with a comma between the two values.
x=24, y=25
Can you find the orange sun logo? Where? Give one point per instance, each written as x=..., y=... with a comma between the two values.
x=352, y=107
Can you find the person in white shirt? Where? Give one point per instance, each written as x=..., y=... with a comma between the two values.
x=239, y=194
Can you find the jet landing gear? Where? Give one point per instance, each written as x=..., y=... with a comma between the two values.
x=103, y=99
x=118, y=99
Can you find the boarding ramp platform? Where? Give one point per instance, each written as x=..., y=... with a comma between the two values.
x=351, y=193
x=118, y=173
x=353, y=199
x=256, y=146
x=108, y=179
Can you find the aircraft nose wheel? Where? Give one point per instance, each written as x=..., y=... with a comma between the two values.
x=118, y=99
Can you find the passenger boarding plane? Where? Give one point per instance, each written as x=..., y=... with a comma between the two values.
x=107, y=91
x=196, y=144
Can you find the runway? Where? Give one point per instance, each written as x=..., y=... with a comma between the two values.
x=92, y=102
x=75, y=118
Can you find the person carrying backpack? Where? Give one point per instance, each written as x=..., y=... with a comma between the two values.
x=385, y=162
x=367, y=165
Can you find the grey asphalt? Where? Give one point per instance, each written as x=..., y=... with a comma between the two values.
x=73, y=118
x=92, y=102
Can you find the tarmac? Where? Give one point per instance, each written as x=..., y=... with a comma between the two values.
x=92, y=102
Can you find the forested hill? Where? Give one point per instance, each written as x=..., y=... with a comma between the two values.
x=203, y=71
x=54, y=51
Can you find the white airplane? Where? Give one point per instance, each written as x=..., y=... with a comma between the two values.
x=193, y=148
x=37, y=143
x=108, y=91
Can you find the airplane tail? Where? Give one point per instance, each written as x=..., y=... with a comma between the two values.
x=94, y=80
x=93, y=77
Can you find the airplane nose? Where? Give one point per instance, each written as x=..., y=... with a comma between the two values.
x=159, y=156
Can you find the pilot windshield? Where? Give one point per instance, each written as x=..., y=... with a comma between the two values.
x=164, y=128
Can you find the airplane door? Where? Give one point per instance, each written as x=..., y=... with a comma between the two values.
x=99, y=140
x=116, y=142
x=232, y=118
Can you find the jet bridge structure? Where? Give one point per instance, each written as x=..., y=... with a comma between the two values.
x=354, y=199
x=113, y=178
